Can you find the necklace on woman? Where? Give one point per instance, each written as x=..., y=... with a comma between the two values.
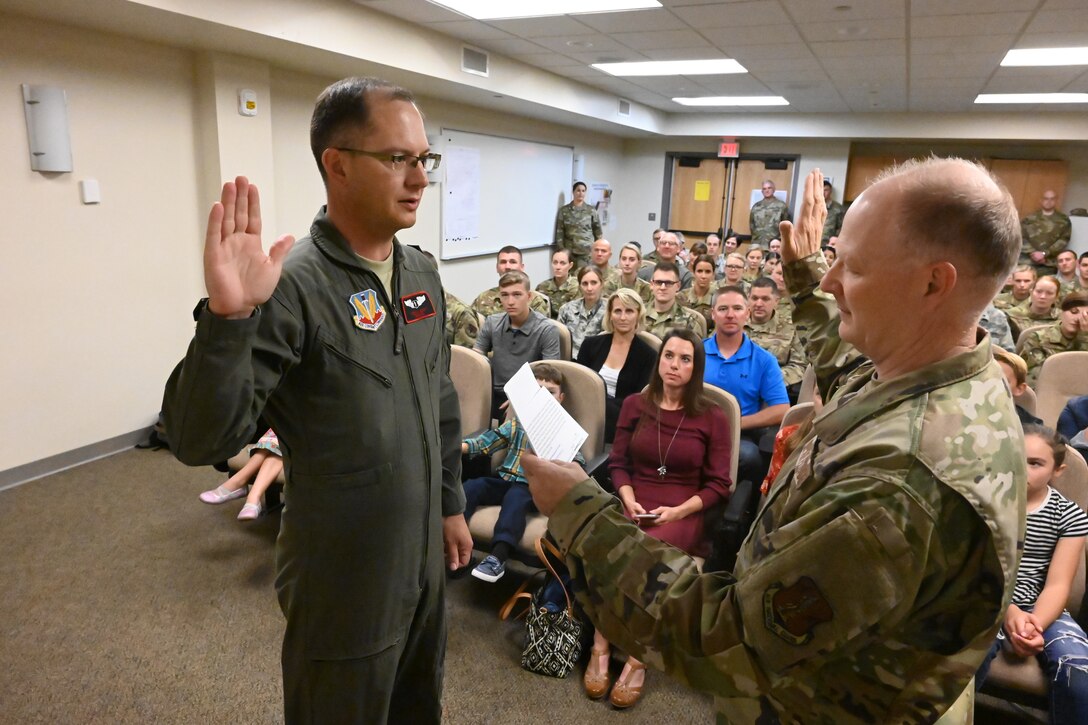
x=661, y=458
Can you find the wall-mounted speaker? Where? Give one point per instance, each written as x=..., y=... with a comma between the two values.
x=46, y=110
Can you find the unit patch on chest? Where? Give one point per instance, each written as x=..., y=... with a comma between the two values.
x=369, y=313
x=417, y=306
x=793, y=612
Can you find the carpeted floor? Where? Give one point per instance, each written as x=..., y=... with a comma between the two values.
x=124, y=599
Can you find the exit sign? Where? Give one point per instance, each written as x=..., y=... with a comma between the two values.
x=728, y=149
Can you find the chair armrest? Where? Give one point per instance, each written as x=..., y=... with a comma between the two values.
x=597, y=467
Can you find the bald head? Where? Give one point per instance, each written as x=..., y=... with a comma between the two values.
x=954, y=210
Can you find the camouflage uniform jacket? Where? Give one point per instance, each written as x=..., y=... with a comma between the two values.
x=581, y=322
x=659, y=323
x=702, y=305
x=764, y=218
x=1005, y=300
x=1021, y=317
x=1042, y=233
x=1065, y=287
x=1043, y=342
x=878, y=568
x=559, y=295
x=609, y=278
x=576, y=228
x=462, y=324
x=489, y=303
x=641, y=287
x=995, y=322
x=833, y=223
x=778, y=337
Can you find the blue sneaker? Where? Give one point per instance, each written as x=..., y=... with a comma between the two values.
x=490, y=569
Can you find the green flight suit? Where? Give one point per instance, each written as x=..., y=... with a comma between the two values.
x=368, y=421
x=878, y=569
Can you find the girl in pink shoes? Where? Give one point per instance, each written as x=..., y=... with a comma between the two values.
x=265, y=464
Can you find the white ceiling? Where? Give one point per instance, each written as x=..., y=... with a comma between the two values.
x=821, y=55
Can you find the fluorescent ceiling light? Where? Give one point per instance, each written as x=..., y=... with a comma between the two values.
x=1032, y=98
x=1046, y=56
x=501, y=9
x=733, y=101
x=713, y=66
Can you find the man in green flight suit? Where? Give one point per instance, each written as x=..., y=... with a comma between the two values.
x=340, y=345
x=1046, y=232
x=766, y=215
x=878, y=570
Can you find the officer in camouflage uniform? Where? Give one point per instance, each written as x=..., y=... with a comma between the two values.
x=1023, y=280
x=627, y=275
x=765, y=215
x=601, y=259
x=1046, y=232
x=559, y=293
x=880, y=565
x=995, y=322
x=835, y=213
x=1067, y=334
x=666, y=312
x=1067, y=272
x=462, y=324
x=1039, y=309
x=489, y=303
x=576, y=226
x=776, y=334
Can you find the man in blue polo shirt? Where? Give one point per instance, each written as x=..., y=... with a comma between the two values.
x=750, y=373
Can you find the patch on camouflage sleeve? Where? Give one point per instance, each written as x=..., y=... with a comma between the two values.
x=793, y=612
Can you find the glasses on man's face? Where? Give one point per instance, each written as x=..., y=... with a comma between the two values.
x=663, y=283
x=734, y=266
x=398, y=161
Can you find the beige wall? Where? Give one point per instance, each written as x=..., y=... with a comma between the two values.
x=94, y=297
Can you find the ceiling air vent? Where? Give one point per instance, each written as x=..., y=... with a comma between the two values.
x=625, y=108
x=474, y=60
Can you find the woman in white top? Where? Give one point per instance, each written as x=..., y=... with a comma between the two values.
x=622, y=359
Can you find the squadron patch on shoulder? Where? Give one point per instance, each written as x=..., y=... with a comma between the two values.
x=369, y=313
x=793, y=612
x=417, y=306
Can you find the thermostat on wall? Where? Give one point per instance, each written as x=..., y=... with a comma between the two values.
x=247, y=102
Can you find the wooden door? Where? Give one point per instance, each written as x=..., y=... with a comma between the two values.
x=750, y=175
x=1027, y=179
x=698, y=196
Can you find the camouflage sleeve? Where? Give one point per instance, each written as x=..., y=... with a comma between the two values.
x=816, y=318
x=559, y=229
x=598, y=232
x=790, y=612
x=1062, y=232
x=794, y=369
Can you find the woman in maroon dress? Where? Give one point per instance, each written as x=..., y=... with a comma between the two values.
x=670, y=461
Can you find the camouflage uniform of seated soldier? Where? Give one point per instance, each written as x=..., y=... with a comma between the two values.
x=666, y=312
x=562, y=286
x=776, y=334
x=489, y=302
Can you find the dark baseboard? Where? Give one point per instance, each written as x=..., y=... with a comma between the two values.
x=69, y=459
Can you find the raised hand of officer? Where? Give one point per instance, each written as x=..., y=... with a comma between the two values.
x=237, y=273
x=802, y=238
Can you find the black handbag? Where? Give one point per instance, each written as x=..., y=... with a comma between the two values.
x=553, y=632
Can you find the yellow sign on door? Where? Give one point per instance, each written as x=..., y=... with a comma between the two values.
x=702, y=191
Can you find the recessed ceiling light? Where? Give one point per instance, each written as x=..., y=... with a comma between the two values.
x=1046, y=56
x=733, y=101
x=579, y=44
x=503, y=9
x=1032, y=98
x=716, y=66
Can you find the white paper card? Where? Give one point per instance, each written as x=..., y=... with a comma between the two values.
x=553, y=433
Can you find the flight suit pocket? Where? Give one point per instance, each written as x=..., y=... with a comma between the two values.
x=356, y=358
x=821, y=591
x=359, y=555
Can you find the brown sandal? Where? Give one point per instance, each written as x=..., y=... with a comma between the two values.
x=596, y=683
x=623, y=695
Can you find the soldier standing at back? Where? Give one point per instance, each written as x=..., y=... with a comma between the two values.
x=577, y=226
x=878, y=569
x=765, y=216
x=835, y=213
x=1046, y=232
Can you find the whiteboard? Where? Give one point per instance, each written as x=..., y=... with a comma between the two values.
x=498, y=191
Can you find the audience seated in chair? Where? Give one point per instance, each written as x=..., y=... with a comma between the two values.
x=265, y=464
x=584, y=315
x=561, y=287
x=1036, y=622
x=1020, y=283
x=1069, y=333
x=1073, y=423
x=509, y=488
x=626, y=276
x=700, y=295
x=666, y=312
x=773, y=330
x=1039, y=309
x=489, y=302
x=1016, y=372
x=622, y=359
x=670, y=461
x=516, y=336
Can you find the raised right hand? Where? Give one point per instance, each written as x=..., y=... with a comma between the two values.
x=803, y=238
x=237, y=273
